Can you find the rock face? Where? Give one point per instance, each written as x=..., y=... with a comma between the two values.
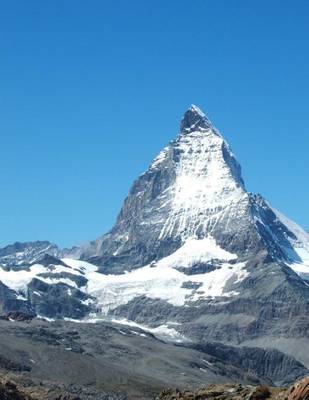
x=19, y=254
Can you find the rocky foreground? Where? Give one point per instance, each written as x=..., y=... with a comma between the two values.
x=298, y=391
x=9, y=390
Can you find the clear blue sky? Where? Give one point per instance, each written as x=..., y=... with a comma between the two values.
x=91, y=90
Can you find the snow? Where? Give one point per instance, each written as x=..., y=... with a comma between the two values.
x=162, y=281
x=29, y=255
x=160, y=157
x=197, y=110
x=19, y=280
x=300, y=246
x=79, y=266
x=204, y=186
x=159, y=280
x=162, y=331
x=21, y=297
x=194, y=250
x=45, y=318
x=52, y=281
x=87, y=302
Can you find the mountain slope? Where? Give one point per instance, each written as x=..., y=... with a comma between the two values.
x=92, y=359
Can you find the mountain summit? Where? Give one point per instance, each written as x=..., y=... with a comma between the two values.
x=192, y=190
x=194, y=119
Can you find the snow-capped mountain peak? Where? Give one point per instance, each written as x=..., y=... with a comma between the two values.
x=192, y=254
x=194, y=119
x=192, y=189
x=207, y=179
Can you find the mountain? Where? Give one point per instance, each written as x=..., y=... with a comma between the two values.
x=193, y=258
x=193, y=190
x=19, y=254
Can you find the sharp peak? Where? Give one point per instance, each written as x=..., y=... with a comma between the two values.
x=195, y=109
x=194, y=119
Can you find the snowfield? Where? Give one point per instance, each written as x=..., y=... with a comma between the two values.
x=160, y=280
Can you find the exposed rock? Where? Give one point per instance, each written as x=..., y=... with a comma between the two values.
x=18, y=316
x=300, y=390
x=9, y=391
x=21, y=254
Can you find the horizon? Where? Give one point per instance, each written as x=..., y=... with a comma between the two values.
x=89, y=99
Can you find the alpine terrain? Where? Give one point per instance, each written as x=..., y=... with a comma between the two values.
x=196, y=266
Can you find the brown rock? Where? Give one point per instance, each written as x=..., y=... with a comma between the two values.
x=300, y=390
x=9, y=391
x=260, y=393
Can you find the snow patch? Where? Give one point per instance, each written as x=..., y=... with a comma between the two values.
x=78, y=266
x=162, y=331
x=162, y=281
x=19, y=280
x=194, y=250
